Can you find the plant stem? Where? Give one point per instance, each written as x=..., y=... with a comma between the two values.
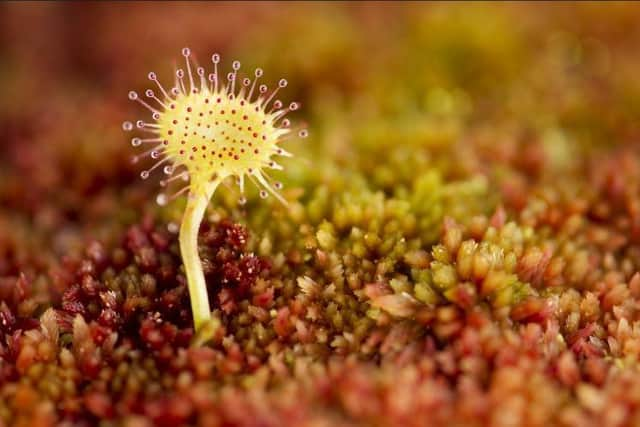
x=193, y=214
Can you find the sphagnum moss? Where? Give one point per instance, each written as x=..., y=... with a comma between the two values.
x=208, y=130
x=345, y=326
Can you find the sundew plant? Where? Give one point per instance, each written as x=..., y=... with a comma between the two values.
x=205, y=129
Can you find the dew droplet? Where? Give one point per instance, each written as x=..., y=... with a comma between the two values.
x=168, y=170
x=172, y=227
x=200, y=71
x=278, y=185
x=263, y=194
x=139, y=124
x=235, y=65
x=286, y=123
x=215, y=58
x=161, y=199
x=144, y=174
x=212, y=77
x=242, y=201
x=180, y=73
x=136, y=142
x=259, y=72
x=152, y=76
x=156, y=116
x=277, y=104
x=127, y=126
x=303, y=133
x=148, y=93
x=175, y=91
x=230, y=77
x=263, y=88
x=155, y=154
x=246, y=81
x=133, y=95
x=186, y=51
x=293, y=106
x=282, y=83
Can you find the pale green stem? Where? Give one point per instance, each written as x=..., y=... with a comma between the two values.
x=193, y=214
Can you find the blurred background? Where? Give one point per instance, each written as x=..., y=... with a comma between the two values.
x=390, y=91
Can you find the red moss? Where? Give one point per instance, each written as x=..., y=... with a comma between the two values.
x=227, y=267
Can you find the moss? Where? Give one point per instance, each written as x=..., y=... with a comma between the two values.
x=460, y=245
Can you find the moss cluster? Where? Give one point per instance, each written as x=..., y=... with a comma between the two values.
x=461, y=247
